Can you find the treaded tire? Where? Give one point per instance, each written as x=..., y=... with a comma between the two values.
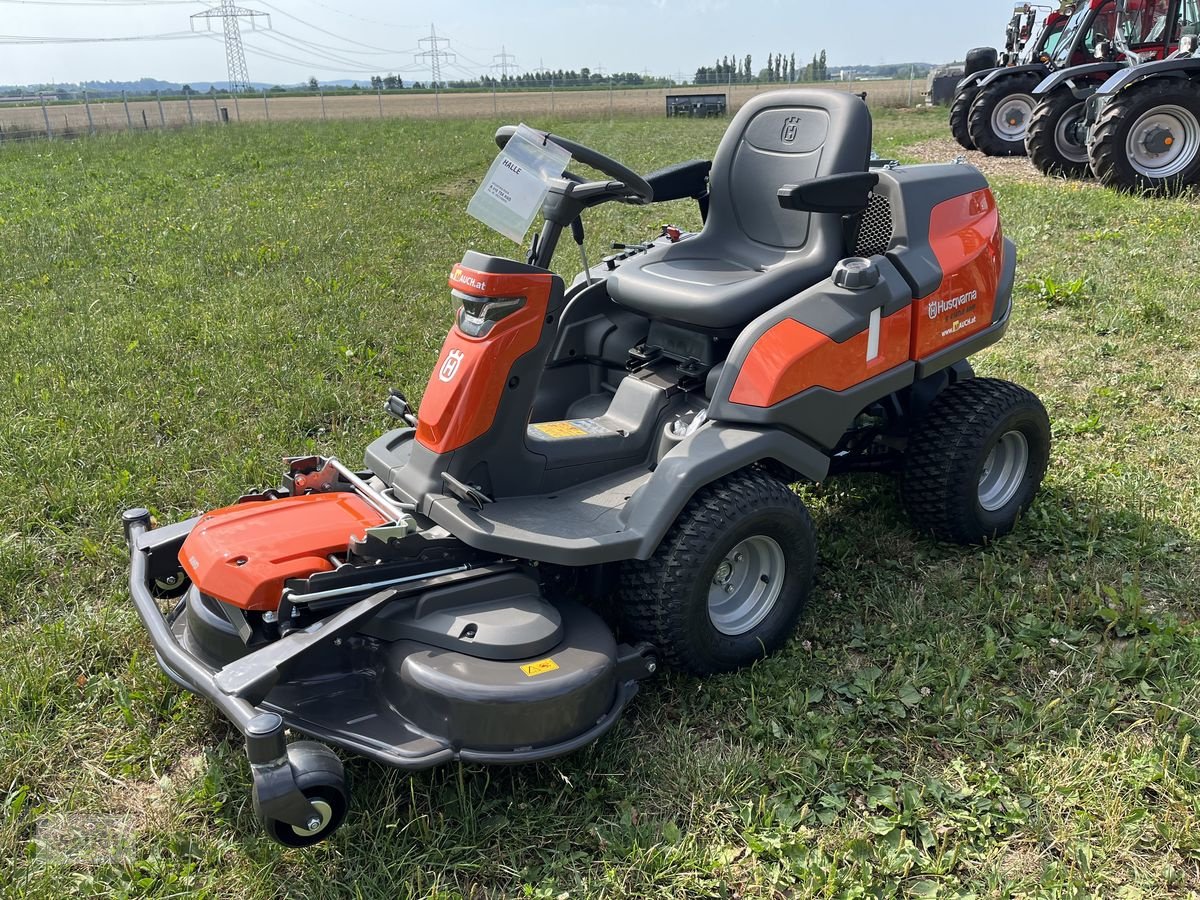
x=979, y=120
x=948, y=448
x=959, y=110
x=1107, y=146
x=1041, y=140
x=664, y=599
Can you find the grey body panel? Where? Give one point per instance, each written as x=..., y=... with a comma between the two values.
x=1090, y=72
x=973, y=80
x=1025, y=69
x=752, y=253
x=1186, y=67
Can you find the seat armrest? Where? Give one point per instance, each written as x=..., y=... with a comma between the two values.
x=845, y=194
x=680, y=181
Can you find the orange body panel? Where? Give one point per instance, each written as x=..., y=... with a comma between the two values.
x=243, y=554
x=464, y=390
x=967, y=241
x=791, y=357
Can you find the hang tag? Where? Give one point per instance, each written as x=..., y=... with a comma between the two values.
x=512, y=192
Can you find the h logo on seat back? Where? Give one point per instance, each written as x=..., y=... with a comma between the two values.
x=791, y=127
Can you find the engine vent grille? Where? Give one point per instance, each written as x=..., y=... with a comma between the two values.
x=875, y=230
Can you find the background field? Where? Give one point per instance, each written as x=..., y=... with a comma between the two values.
x=182, y=309
x=69, y=119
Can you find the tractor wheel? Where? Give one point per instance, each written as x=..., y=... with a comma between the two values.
x=975, y=460
x=959, y=110
x=1000, y=115
x=1056, y=140
x=729, y=581
x=1148, y=137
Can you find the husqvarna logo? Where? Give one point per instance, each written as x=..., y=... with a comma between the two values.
x=791, y=126
x=450, y=366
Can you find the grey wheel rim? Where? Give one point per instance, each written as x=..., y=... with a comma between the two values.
x=1163, y=142
x=326, y=813
x=1003, y=471
x=1064, y=136
x=1010, y=118
x=746, y=585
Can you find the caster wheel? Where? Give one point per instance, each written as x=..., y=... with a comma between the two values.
x=172, y=585
x=321, y=778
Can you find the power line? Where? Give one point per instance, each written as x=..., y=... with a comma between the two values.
x=50, y=39
x=235, y=53
x=340, y=37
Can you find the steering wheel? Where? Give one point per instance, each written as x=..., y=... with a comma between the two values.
x=632, y=187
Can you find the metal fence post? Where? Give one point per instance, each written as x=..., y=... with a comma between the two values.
x=161, y=115
x=46, y=116
x=494, y=109
x=237, y=110
x=379, y=92
x=322, y=93
x=191, y=119
x=266, y=105
x=216, y=108
x=128, y=117
x=88, y=108
x=551, y=96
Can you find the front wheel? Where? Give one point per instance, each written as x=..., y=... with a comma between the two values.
x=959, y=110
x=1000, y=115
x=975, y=460
x=320, y=777
x=728, y=583
x=1148, y=137
x=1057, y=136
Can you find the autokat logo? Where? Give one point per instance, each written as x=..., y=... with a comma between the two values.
x=941, y=307
x=450, y=367
x=457, y=274
x=791, y=125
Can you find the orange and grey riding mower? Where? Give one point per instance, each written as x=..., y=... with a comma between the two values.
x=633, y=435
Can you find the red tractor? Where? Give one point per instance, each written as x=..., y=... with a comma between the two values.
x=1019, y=50
x=1003, y=105
x=1146, y=30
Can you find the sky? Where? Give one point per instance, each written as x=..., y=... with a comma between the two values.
x=333, y=39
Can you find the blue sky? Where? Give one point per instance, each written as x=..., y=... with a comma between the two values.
x=353, y=38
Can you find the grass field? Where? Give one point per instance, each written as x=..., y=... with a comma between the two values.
x=71, y=119
x=181, y=310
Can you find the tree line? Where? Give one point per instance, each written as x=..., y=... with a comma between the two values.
x=779, y=68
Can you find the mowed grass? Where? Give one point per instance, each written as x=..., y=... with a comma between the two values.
x=180, y=311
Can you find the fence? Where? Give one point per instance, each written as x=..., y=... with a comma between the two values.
x=45, y=117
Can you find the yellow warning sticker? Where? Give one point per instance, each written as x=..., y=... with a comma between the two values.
x=559, y=429
x=541, y=667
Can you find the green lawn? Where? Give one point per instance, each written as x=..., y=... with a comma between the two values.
x=181, y=310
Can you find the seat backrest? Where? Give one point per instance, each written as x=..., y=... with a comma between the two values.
x=777, y=138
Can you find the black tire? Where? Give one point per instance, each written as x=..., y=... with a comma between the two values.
x=1108, y=148
x=665, y=599
x=945, y=460
x=987, y=101
x=322, y=779
x=1049, y=140
x=959, y=111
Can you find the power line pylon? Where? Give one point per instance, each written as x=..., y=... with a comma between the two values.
x=504, y=61
x=434, y=54
x=235, y=53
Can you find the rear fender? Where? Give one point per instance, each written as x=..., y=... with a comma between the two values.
x=973, y=80
x=1082, y=80
x=1188, y=67
x=1012, y=72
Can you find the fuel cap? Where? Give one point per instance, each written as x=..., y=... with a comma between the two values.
x=856, y=274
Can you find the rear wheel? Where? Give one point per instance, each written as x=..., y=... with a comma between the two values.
x=975, y=460
x=1000, y=115
x=959, y=110
x=1057, y=137
x=729, y=581
x=1148, y=137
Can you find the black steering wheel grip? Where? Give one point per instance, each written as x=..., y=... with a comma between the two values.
x=639, y=190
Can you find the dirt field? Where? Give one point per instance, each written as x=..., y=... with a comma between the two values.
x=70, y=120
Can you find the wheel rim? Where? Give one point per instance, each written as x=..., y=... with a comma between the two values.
x=1163, y=142
x=746, y=585
x=1010, y=118
x=324, y=810
x=1003, y=471
x=1066, y=135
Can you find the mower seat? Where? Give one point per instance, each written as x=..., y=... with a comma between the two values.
x=752, y=254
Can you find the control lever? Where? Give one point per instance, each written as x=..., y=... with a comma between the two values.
x=617, y=245
x=577, y=235
x=398, y=406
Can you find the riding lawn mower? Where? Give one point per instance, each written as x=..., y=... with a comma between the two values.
x=634, y=435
